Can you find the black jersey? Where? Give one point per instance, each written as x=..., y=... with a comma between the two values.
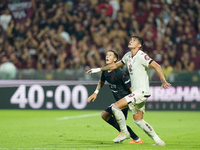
x=119, y=82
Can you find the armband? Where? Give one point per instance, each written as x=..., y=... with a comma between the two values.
x=95, y=70
x=96, y=91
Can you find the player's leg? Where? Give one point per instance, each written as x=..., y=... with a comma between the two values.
x=135, y=138
x=116, y=109
x=146, y=127
x=108, y=116
x=136, y=103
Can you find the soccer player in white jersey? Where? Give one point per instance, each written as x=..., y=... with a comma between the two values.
x=137, y=63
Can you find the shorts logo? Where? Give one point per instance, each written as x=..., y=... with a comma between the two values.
x=131, y=95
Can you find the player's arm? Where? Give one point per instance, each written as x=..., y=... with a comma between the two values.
x=94, y=95
x=130, y=89
x=158, y=69
x=108, y=67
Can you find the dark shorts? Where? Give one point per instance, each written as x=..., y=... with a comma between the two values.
x=125, y=111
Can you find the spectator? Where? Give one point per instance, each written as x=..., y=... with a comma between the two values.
x=15, y=60
x=185, y=64
x=35, y=31
x=10, y=30
x=127, y=7
x=148, y=27
x=2, y=5
x=161, y=29
x=49, y=75
x=30, y=41
x=169, y=33
x=116, y=7
x=140, y=13
x=93, y=4
x=184, y=48
x=117, y=32
x=155, y=6
x=108, y=23
x=158, y=52
x=77, y=34
x=63, y=34
x=5, y=19
x=167, y=69
x=149, y=44
x=69, y=4
x=122, y=21
x=133, y=28
x=178, y=33
x=82, y=6
x=195, y=57
x=108, y=8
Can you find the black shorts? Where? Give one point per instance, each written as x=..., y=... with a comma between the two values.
x=125, y=111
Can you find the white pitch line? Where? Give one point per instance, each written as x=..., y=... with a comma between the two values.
x=79, y=116
x=31, y=148
x=46, y=148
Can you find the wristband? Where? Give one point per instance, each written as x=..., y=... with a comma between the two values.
x=96, y=91
x=95, y=70
x=163, y=81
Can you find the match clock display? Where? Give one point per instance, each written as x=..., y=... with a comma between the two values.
x=37, y=96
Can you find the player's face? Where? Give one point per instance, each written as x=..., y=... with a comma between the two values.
x=110, y=58
x=134, y=43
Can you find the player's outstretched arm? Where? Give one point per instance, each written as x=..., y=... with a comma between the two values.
x=108, y=67
x=158, y=69
x=94, y=95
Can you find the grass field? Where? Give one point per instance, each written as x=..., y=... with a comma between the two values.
x=85, y=130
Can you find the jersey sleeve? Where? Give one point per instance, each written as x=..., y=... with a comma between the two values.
x=144, y=59
x=124, y=58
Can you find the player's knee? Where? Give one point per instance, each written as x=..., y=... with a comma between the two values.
x=115, y=108
x=137, y=122
x=105, y=115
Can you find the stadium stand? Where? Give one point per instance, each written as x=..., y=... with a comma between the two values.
x=74, y=35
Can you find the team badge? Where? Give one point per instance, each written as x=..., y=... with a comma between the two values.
x=146, y=57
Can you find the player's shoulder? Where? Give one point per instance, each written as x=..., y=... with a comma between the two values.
x=128, y=54
x=119, y=70
x=142, y=55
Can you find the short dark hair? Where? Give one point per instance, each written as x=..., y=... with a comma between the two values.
x=115, y=53
x=139, y=39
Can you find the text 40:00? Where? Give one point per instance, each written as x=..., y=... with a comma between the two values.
x=36, y=96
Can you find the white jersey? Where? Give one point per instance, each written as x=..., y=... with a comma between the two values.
x=138, y=70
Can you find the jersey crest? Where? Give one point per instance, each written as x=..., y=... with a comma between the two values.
x=146, y=57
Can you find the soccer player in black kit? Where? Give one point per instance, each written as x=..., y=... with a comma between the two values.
x=120, y=85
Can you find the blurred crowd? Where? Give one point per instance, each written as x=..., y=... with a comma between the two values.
x=73, y=34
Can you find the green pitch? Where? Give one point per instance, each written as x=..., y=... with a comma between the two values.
x=85, y=130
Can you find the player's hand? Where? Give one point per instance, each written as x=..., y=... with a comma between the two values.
x=165, y=85
x=89, y=71
x=93, y=70
x=92, y=98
